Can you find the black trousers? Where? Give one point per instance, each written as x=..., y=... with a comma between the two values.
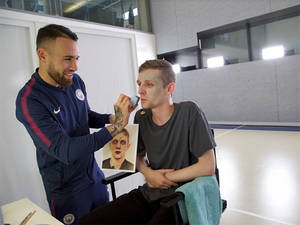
x=131, y=208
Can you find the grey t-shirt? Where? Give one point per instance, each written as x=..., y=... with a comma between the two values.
x=176, y=144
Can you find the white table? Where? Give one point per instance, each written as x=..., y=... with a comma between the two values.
x=14, y=213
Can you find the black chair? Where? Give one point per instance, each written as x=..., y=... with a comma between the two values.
x=170, y=201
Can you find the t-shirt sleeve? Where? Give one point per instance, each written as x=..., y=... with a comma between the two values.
x=201, y=138
x=141, y=146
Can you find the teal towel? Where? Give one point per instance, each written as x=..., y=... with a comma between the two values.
x=202, y=202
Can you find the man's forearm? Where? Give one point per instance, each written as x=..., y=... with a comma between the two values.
x=189, y=173
x=120, y=119
x=112, y=130
x=141, y=165
x=204, y=167
x=117, y=122
x=154, y=178
x=139, y=162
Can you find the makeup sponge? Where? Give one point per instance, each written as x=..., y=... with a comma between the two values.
x=134, y=100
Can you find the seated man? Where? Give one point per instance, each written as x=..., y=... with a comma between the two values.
x=179, y=147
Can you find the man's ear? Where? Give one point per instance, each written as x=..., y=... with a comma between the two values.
x=171, y=87
x=42, y=54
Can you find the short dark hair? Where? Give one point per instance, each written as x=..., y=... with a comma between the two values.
x=167, y=74
x=53, y=31
x=125, y=131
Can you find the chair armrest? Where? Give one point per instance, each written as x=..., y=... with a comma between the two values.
x=224, y=205
x=172, y=199
x=113, y=178
x=116, y=177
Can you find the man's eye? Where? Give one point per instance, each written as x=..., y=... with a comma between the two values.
x=114, y=142
x=149, y=85
x=123, y=142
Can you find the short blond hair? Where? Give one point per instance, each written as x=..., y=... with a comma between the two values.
x=167, y=74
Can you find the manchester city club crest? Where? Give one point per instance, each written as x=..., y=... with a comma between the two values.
x=79, y=94
x=69, y=218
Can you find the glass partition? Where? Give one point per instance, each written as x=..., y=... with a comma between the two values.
x=232, y=46
x=284, y=33
x=133, y=14
x=268, y=36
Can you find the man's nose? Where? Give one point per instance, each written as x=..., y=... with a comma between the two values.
x=74, y=65
x=141, y=90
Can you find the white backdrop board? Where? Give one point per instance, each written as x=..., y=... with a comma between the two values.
x=105, y=65
x=19, y=175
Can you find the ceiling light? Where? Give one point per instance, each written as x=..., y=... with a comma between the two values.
x=135, y=12
x=126, y=15
x=273, y=52
x=215, y=62
x=75, y=6
x=176, y=68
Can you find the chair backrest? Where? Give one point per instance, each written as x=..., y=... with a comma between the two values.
x=224, y=202
x=216, y=169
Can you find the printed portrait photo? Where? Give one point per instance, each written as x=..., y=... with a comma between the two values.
x=120, y=153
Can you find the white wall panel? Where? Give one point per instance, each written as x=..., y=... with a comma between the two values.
x=279, y=4
x=176, y=22
x=288, y=83
x=259, y=91
x=105, y=65
x=194, y=16
x=164, y=24
x=145, y=44
x=19, y=175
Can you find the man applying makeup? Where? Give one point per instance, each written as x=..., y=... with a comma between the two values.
x=54, y=109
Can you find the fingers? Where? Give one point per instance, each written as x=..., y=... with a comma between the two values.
x=132, y=100
x=121, y=112
x=163, y=184
x=123, y=100
x=122, y=109
x=132, y=108
x=168, y=183
x=158, y=179
x=111, y=118
x=166, y=170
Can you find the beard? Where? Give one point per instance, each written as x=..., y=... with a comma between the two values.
x=58, y=77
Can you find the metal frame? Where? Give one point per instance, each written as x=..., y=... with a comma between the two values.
x=247, y=25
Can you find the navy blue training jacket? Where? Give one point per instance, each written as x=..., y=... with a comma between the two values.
x=58, y=121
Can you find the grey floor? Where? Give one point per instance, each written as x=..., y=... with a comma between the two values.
x=259, y=176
